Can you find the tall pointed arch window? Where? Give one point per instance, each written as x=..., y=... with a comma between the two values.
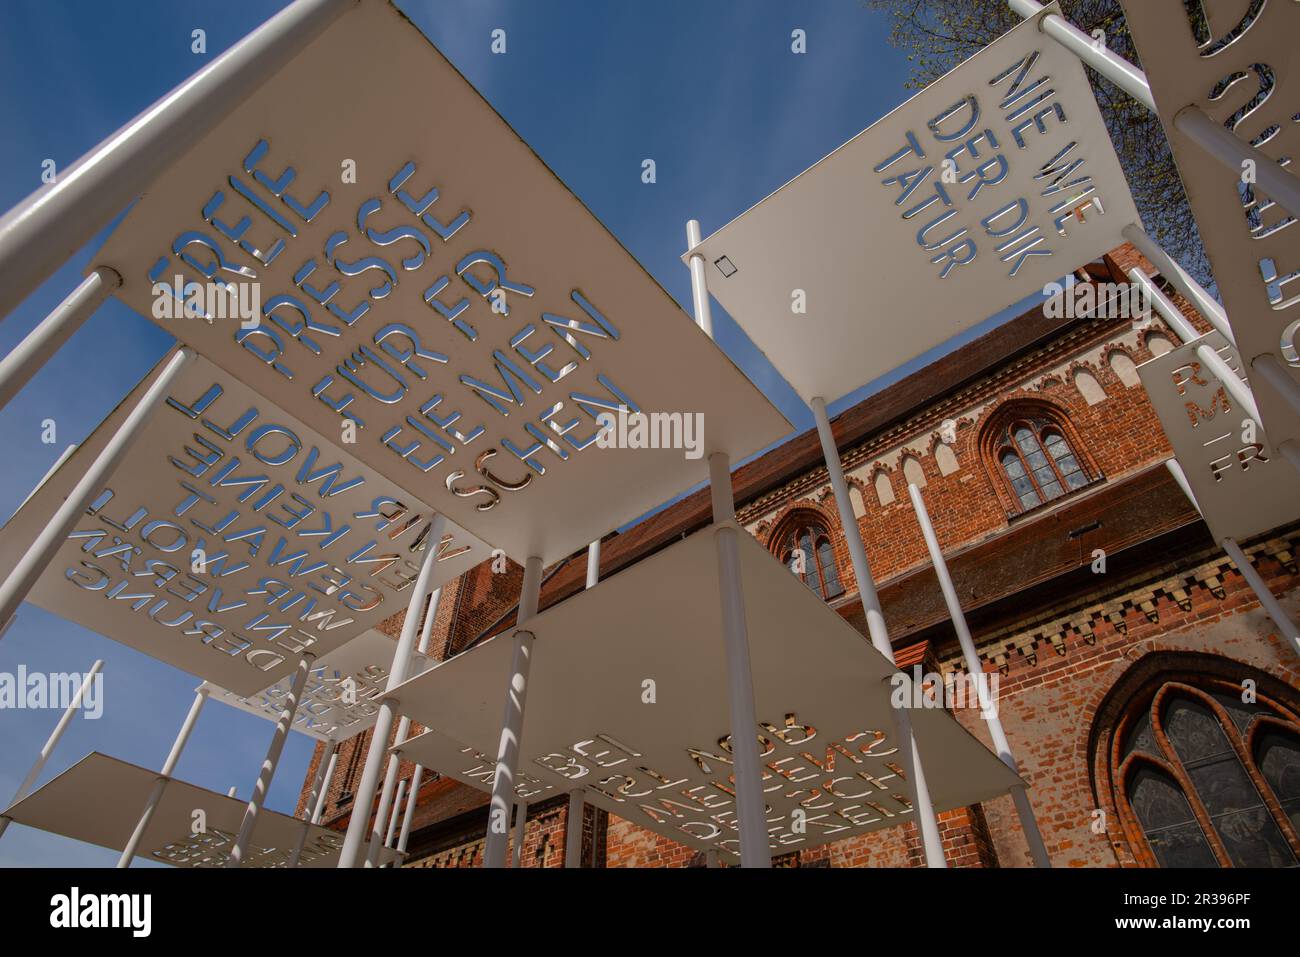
x=805, y=548
x=1206, y=779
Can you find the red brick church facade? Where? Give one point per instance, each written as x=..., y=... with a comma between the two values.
x=1121, y=690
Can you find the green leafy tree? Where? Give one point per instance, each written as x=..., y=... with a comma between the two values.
x=939, y=34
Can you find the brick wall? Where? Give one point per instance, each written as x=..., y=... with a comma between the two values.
x=1055, y=666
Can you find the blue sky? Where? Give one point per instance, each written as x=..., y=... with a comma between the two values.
x=709, y=90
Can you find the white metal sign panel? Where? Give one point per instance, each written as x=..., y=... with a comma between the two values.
x=1244, y=488
x=995, y=180
x=451, y=759
x=100, y=798
x=1238, y=63
x=627, y=698
x=342, y=691
x=232, y=539
x=428, y=284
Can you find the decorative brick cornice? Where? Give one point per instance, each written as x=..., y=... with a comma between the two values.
x=1044, y=637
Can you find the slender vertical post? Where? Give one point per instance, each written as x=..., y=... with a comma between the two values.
x=577, y=797
x=313, y=803
x=1271, y=605
x=1191, y=290
x=497, y=839
x=412, y=798
x=323, y=794
x=988, y=706
x=711, y=859
x=1256, y=582
x=699, y=281
x=927, y=821
x=573, y=828
x=272, y=760
x=38, y=234
x=377, y=841
x=168, y=769
x=1274, y=373
x=52, y=742
x=751, y=808
x=1242, y=396
x=1213, y=362
x=17, y=368
x=755, y=848
x=414, y=793
x=362, y=804
x=30, y=567
x=521, y=826
x=392, y=818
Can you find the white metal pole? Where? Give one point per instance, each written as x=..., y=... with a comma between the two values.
x=497, y=840
x=411, y=800
x=1266, y=598
x=1274, y=373
x=1110, y=65
x=29, y=568
x=313, y=802
x=699, y=280
x=573, y=828
x=233, y=791
x=909, y=754
x=272, y=760
x=1256, y=582
x=54, y=330
x=1213, y=362
x=321, y=797
x=1273, y=179
x=1267, y=366
x=988, y=706
x=52, y=741
x=1214, y=138
x=593, y=564
x=392, y=818
x=414, y=793
x=573, y=821
x=386, y=792
x=168, y=768
x=377, y=841
x=751, y=808
x=521, y=826
x=359, y=822
x=40, y=233
x=1192, y=290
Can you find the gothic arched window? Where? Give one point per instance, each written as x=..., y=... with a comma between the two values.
x=1038, y=462
x=1207, y=779
x=805, y=548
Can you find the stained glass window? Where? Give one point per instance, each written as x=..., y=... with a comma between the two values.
x=1201, y=798
x=806, y=550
